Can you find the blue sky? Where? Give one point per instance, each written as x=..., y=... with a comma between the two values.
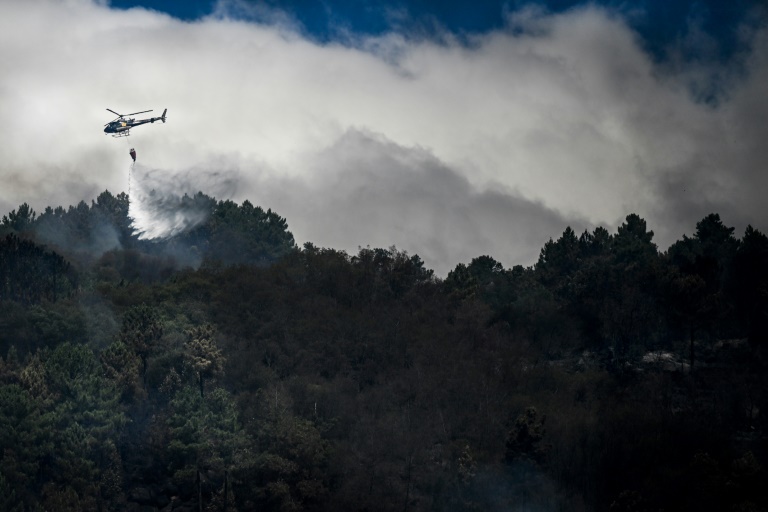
x=661, y=24
x=448, y=129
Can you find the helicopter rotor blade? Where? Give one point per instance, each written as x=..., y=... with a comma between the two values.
x=142, y=112
x=119, y=115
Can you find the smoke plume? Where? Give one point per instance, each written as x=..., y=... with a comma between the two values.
x=167, y=203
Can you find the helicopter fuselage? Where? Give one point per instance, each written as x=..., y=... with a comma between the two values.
x=117, y=127
x=126, y=124
x=122, y=125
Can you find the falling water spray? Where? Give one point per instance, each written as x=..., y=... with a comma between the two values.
x=166, y=203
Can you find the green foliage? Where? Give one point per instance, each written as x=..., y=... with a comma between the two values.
x=247, y=234
x=41, y=325
x=205, y=434
x=131, y=265
x=203, y=355
x=8, y=498
x=141, y=331
x=632, y=242
x=58, y=430
x=83, y=396
x=558, y=260
x=20, y=220
x=123, y=367
x=485, y=278
x=699, y=280
x=29, y=274
x=25, y=442
x=141, y=328
x=311, y=379
x=389, y=272
x=290, y=468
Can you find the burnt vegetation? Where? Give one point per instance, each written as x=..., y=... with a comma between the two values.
x=229, y=369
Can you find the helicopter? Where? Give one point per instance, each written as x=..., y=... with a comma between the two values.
x=121, y=126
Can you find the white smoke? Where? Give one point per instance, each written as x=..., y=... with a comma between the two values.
x=163, y=203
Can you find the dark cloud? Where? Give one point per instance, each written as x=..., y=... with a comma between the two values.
x=446, y=148
x=366, y=190
x=725, y=166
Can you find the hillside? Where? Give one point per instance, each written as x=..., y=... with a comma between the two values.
x=225, y=368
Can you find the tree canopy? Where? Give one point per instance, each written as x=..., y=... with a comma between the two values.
x=225, y=368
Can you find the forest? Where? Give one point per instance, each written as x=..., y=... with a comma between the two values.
x=229, y=369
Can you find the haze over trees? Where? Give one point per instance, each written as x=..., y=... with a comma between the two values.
x=228, y=369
